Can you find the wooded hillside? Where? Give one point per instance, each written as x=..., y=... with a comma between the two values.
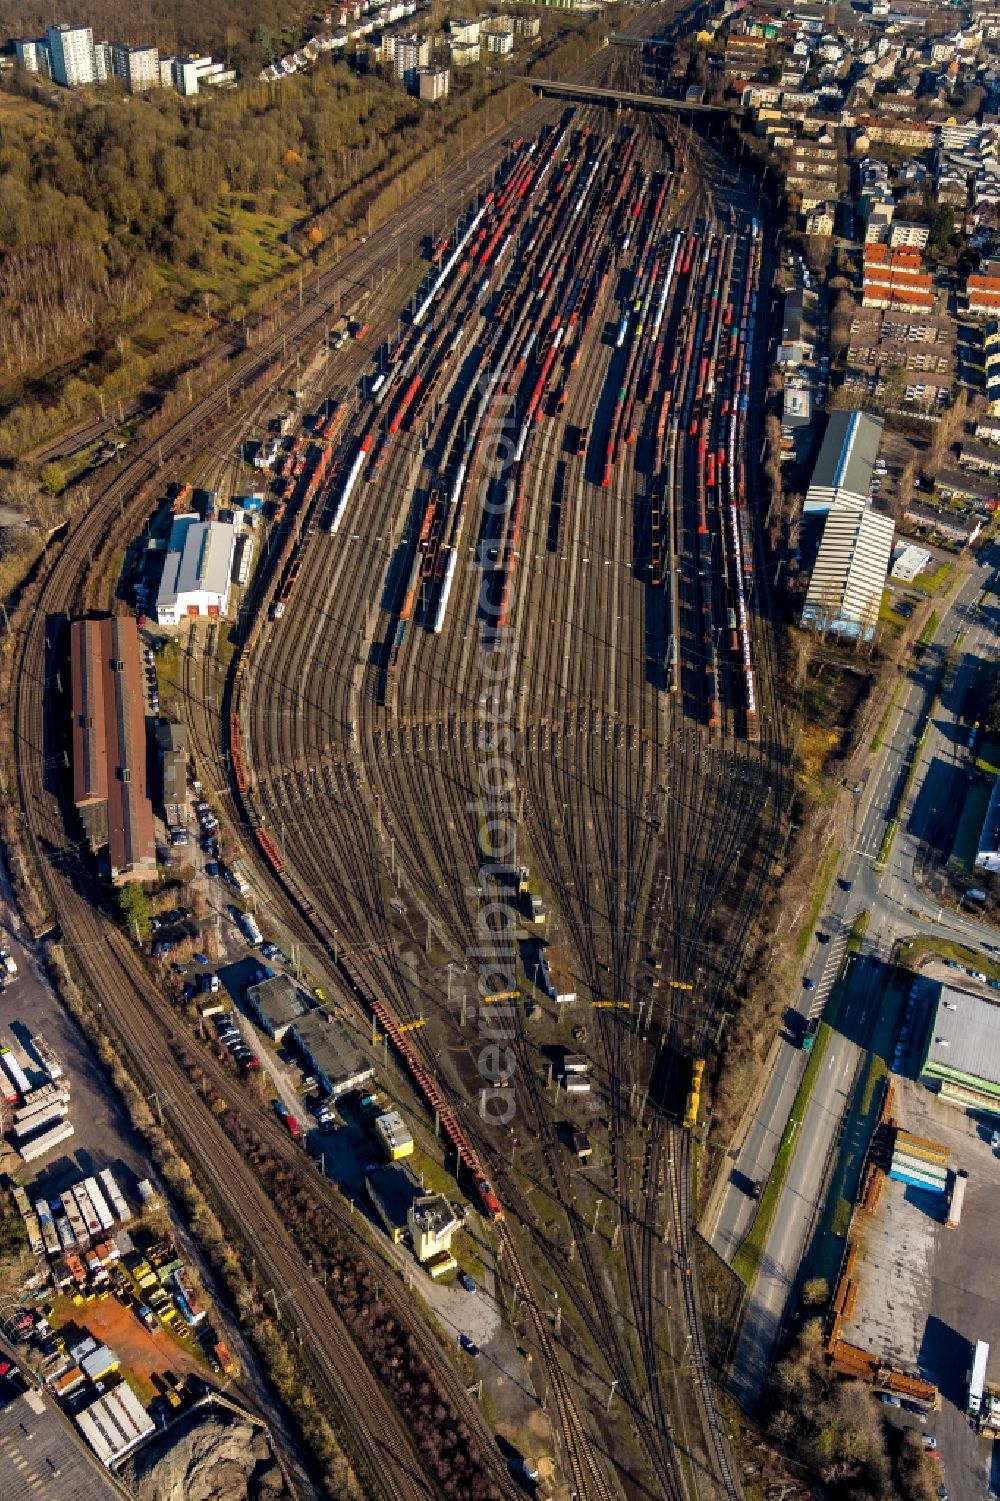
x=174, y=25
x=130, y=227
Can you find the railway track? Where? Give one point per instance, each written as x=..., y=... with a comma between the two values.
x=113, y=970
x=364, y=784
x=402, y=783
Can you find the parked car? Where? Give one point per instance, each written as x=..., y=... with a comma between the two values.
x=469, y=1283
x=291, y=1124
x=468, y=1345
x=808, y=982
x=271, y=951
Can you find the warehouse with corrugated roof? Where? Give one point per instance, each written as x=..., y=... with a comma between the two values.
x=109, y=744
x=845, y=463
x=41, y=1455
x=845, y=590
x=961, y=1055
x=197, y=570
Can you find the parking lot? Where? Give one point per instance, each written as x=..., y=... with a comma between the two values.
x=927, y=1293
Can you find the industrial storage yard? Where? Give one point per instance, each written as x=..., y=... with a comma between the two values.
x=926, y=1291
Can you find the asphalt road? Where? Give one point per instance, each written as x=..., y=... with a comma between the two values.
x=898, y=908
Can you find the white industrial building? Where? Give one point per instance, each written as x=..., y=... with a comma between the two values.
x=197, y=570
x=845, y=591
x=988, y=853
x=908, y=561
x=115, y=1424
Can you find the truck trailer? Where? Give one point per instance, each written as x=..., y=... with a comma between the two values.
x=56, y=1111
x=115, y=1196
x=977, y=1377
x=99, y=1202
x=38, y=1100
x=37, y=1146
x=11, y=1066
x=47, y=1058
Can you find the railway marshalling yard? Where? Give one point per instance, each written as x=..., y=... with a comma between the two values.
x=513, y=618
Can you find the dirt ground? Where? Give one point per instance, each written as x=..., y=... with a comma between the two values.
x=143, y=1354
x=209, y=1455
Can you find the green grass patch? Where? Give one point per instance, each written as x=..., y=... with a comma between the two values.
x=927, y=634
x=434, y=1176
x=915, y=949
x=747, y=1259
x=888, y=840
x=888, y=611
x=875, y=1073
x=883, y=725
x=930, y=583
x=225, y=647
x=823, y=880
x=859, y=927
x=168, y=668
x=966, y=842
x=841, y=1220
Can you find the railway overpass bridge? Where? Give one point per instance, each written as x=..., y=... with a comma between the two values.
x=595, y=94
x=624, y=39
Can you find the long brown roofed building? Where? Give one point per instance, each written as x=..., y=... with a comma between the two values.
x=109, y=745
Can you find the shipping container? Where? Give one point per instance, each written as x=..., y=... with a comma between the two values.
x=40, y=1099
x=86, y=1208
x=115, y=1197
x=15, y=1072
x=56, y=1111
x=910, y=1163
x=37, y=1146
x=47, y=1058
x=916, y=1180
x=248, y=923
x=100, y=1203
x=33, y=1232
x=75, y=1218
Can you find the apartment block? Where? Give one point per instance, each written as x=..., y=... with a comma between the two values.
x=71, y=50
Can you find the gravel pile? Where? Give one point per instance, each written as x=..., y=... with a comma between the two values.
x=210, y=1456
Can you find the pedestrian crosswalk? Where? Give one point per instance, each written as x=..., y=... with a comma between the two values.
x=831, y=969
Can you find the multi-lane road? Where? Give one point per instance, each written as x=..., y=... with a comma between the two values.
x=898, y=907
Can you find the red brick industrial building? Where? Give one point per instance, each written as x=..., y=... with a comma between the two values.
x=109, y=745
